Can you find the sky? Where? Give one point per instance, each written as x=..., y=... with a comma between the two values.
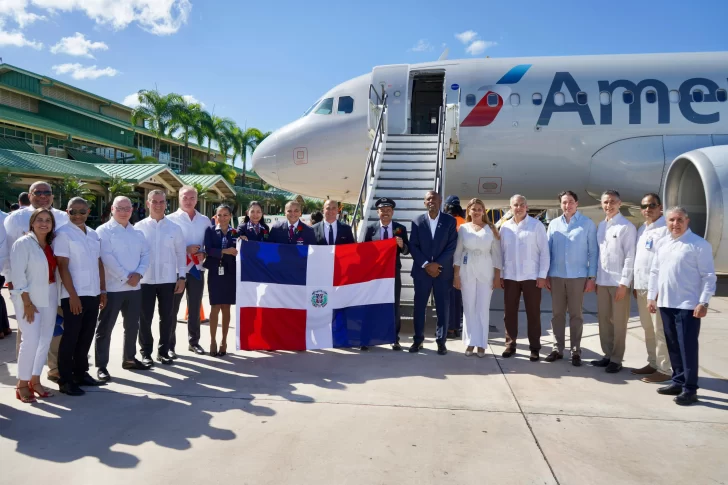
x=263, y=63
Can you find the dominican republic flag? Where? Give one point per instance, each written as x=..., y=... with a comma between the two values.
x=192, y=262
x=292, y=297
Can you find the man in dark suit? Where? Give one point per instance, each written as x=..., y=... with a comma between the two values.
x=387, y=229
x=433, y=240
x=292, y=231
x=331, y=231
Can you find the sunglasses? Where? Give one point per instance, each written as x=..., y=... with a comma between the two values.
x=648, y=206
x=77, y=212
x=41, y=193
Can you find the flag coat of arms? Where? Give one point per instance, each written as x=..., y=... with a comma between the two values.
x=292, y=297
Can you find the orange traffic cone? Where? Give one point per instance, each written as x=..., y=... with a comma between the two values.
x=202, y=315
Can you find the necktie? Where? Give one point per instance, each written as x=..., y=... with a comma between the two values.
x=331, y=234
x=257, y=229
x=290, y=232
x=386, y=232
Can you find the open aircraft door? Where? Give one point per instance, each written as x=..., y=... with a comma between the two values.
x=394, y=80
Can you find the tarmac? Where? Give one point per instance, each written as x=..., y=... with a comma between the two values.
x=380, y=417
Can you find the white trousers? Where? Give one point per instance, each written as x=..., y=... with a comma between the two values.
x=36, y=338
x=476, y=310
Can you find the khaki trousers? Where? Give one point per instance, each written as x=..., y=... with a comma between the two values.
x=613, y=317
x=567, y=294
x=657, y=354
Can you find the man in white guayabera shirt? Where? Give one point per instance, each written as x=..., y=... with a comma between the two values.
x=682, y=281
x=616, y=237
x=649, y=236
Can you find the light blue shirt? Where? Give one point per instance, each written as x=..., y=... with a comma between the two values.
x=573, y=247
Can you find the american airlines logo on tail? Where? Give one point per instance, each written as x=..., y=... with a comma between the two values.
x=487, y=109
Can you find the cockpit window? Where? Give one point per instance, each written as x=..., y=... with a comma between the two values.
x=326, y=107
x=346, y=105
x=312, y=107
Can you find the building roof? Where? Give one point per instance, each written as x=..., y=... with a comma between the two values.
x=15, y=144
x=33, y=121
x=23, y=163
x=87, y=157
x=133, y=172
x=216, y=183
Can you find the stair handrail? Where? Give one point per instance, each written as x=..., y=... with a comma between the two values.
x=440, y=166
x=360, y=211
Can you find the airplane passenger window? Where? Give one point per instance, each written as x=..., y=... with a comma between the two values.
x=628, y=97
x=470, y=100
x=492, y=99
x=537, y=99
x=346, y=105
x=697, y=96
x=651, y=96
x=515, y=99
x=605, y=98
x=559, y=99
x=581, y=98
x=674, y=96
x=721, y=95
x=326, y=107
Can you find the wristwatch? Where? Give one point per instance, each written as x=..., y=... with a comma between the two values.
x=181, y=278
x=705, y=305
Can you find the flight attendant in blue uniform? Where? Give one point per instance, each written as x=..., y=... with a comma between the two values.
x=253, y=228
x=220, y=243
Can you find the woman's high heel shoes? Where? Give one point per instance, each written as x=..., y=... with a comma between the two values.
x=223, y=350
x=26, y=399
x=44, y=394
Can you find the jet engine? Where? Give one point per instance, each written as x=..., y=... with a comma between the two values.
x=698, y=181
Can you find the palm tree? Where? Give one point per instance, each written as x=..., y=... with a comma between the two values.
x=139, y=158
x=117, y=186
x=187, y=118
x=218, y=129
x=244, y=141
x=69, y=187
x=157, y=111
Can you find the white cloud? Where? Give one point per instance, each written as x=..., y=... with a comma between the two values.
x=160, y=17
x=132, y=100
x=16, y=10
x=466, y=37
x=191, y=100
x=78, y=45
x=77, y=71
x=16, y=38
x=422, y=46
x=479, y=46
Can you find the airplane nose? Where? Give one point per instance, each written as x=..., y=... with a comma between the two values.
x=264, y=159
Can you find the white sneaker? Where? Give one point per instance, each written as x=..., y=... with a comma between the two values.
x=468, y=353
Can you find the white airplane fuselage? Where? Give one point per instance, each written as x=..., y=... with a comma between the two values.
x=533, y=149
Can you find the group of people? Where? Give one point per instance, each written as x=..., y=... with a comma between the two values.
x=50, y=255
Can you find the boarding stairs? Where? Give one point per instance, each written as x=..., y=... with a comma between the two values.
x=402, y=167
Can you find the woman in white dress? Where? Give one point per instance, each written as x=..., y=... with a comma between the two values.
x=477, y=270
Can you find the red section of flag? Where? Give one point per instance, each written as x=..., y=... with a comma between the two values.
x=272, y=329
x=482, y=114
x=359, y=263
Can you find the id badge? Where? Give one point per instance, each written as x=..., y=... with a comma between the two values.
x=648, y=244
x=221, y=270
x=465, y=259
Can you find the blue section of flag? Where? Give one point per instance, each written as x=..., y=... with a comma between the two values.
x=364, y=325
x=194, y=272
x=515, y=74
x=283, y=264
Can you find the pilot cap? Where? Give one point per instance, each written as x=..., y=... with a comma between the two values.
x=452, y=200
x=385, y=202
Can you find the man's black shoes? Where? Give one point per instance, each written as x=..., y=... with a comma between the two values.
x=576, y=360
x=553, y=356
x=196, y=349
x=134, y=365
x=71, y=389
x=147, y=360
x=87, y=380
x=686, y=399
x=508, y=353
x=172, y=355
x=103, y=375
x=396, y=346
x=613, y=368
x=534, y=356
x=441, y=349
x=603, y=362
x=416, y=347
x=164, y=359
x=671, y=390
x=364, y=348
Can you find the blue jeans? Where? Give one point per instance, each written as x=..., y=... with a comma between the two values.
x=681, y=333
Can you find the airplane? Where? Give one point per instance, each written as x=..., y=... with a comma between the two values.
x=534, y=126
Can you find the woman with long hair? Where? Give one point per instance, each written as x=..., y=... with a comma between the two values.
x=477, y=265
x=220, y=242
x=253, y=227
x=35, y=296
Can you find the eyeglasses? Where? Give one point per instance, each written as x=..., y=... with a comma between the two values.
x=77, y=212
x=158, y=202
x=648, y=206
x=122, y=209
x=41, y=193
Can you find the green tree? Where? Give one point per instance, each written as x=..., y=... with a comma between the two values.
x=186, y=118
x=156, y=110
x=117, y=186
x=69, y=187
x=244, y=141
x=218, y=129
x=8, y=190
x=201, y=192
x=139, y=158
